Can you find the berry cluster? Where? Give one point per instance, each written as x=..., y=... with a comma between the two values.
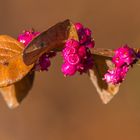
x=27, y=36
x=44, y=61
x=124, y=58
x=76, y=54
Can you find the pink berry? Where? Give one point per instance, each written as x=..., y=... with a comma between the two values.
x=78, y=26
x=82, y=51
x=73, y=59
x=118, y=61
x=124, y=55
x=90, y=44
x=83, y=38
x=117, y=75
x=69, y=50
x=44, y=62
x=87, y=31
x=109, y=78
x=72, y=43
x=68, y=69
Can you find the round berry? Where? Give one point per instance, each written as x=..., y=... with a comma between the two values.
x=68, y=69
x=72, y=43
x=44, y=62
x=82, y=51
x=73, y=59
x=78, y=26
x=87, y=31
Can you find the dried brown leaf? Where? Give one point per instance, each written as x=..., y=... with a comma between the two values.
x=14, y=94
x=101, y=65
x=51, y=39
x=12, y=67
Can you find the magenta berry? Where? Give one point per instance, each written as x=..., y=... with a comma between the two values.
x=90, y=44
x=72, y=43
x=44, y=62
x=124, y=55
x=68, y=69
x=68, y=50
x=87, y=32
x=83, y=38
x=78, y=26
x=73, y=59
x=82, y=51
x=116, y=75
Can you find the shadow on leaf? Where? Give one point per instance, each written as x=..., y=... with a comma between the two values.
x=14, y=94
x=105, y=90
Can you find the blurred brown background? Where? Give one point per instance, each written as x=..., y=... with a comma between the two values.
x=61, y=108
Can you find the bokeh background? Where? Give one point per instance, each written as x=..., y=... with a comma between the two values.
x=60, y=108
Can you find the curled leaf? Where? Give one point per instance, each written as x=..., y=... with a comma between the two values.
x=101, y=65
x=51, y=39
x=12, y=67
x=15, y=93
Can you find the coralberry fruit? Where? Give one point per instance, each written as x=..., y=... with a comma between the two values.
x=124, y=58
x=76, y=54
